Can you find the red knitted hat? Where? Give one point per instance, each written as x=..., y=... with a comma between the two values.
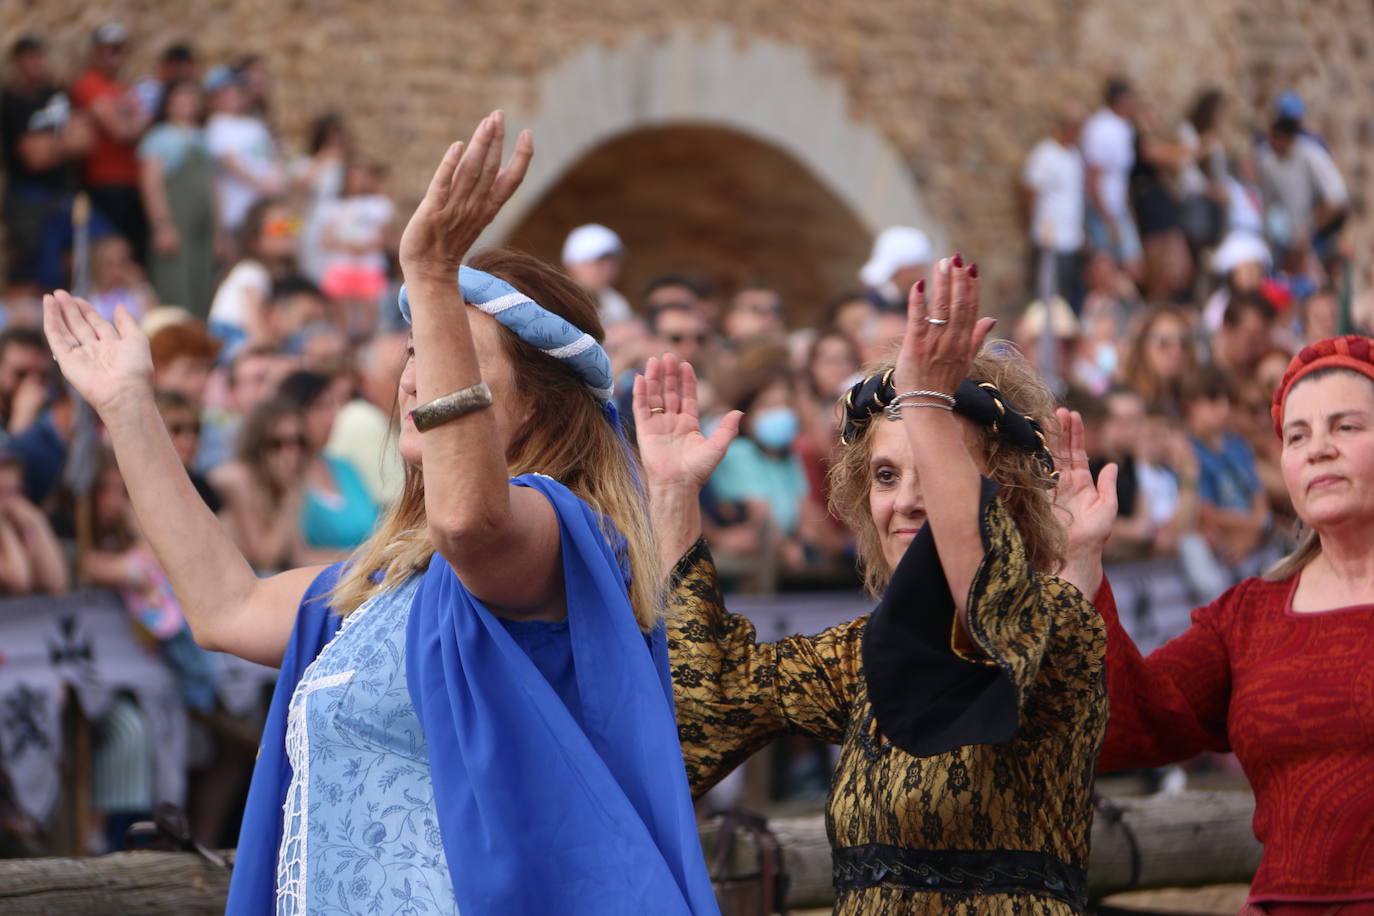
x=1348, y=352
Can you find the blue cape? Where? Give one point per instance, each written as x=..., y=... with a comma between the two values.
x=539, y=811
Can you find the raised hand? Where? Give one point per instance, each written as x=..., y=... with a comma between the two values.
x=467, y=191
x=1087, y=509
x=667, y=423
x=943, y=332
x=106, y=363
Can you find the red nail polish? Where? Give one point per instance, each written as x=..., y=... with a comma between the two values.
x=958, y=260
x=921, y=287
x=973, y=271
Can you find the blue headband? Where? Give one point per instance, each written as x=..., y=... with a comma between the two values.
x=536, y=326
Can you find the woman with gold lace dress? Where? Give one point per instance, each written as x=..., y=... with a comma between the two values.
x=970, y=705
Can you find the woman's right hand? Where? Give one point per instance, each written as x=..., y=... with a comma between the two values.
x=671, y=447
x=108, y=364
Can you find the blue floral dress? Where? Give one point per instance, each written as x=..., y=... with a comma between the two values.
x=360, y=833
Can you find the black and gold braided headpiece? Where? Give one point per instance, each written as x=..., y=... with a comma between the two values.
x=979, y=401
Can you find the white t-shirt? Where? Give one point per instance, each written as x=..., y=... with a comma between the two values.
x=248, y=141
x=356, y=221
x=1298, y=182
x=1108, y=144
x=1055, y=173
x=247, y=278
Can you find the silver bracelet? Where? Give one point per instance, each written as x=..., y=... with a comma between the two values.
x=451, y=406
x=894, y=409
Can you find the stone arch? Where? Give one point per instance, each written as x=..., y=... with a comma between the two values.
x=764, y=89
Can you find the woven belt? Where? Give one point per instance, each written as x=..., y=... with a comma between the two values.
x=939, y=871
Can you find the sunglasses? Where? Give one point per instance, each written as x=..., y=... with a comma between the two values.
x=277, y=445
x=679, y=339
x=183, y=429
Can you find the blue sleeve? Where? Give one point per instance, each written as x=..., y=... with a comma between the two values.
x=1206, y=477
x=44, y=455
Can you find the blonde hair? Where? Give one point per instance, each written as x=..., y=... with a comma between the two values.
x=1020, y=473
x=566, y=437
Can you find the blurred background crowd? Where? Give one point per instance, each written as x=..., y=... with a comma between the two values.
x=1169, y=278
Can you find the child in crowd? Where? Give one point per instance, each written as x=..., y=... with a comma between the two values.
x=117, y=279
x=1234, y=511
x=239, y=314
x=121, y=559
x=356, y=231
x=297, y=304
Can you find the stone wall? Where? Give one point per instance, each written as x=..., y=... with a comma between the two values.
x=958, y=91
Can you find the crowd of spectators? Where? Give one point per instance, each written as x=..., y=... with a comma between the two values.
x=1173, y=272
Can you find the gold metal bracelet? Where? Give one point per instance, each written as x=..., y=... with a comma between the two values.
x=451, y=406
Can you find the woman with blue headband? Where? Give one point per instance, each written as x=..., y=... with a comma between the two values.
x=473, y=713
x=970, y=705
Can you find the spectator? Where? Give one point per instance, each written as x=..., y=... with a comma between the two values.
x=1202, y=178
x=38, y=415
x=851, y=313
x=680, y=288
x=111, y=171
x=1029, y=337
x=182, y=420
x=1305, y=197
x=1321, y=316
x=251, y=72
x=296, y=304
x=1108, y=142
x=178, y=180
x=355, y=232
x=1234, y=511
x=31, y=560
x=252, y=377
x=1242, y=261
x=1052, y=185
x=316, y=179
x=245, y=153
x=593, y=256
x=26, y=378
x=901, y=256
x=364, y=434
x=122, y=560
x=116, y=279
x=324, y=348
x=238, y=314
x=264, y=486
x=1245, y=336
x=677, y=327
x=178, y=62
x=1117, y=421
x=1158, y=215
x=183, y=355
x=337, y=511
x=761, y=465
x=1162, y=354
x=37, y=138
x=755, y=314
x=832, y=366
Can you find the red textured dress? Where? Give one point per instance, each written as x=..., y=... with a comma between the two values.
x=1293, y=696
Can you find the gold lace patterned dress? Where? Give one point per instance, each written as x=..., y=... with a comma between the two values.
x=994, y=816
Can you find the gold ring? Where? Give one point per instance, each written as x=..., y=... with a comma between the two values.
x=656, y=410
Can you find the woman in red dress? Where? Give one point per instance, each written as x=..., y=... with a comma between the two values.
x=1280, y=669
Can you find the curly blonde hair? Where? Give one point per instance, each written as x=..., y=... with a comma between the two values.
x=1025, y=484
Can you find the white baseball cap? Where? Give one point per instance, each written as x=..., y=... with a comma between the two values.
x=590, y=242
x=1240, y=248
x=896, y=247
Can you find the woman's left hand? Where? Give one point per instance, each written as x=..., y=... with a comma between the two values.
x=467, y=191
x=1089, y=508
x=943, y=331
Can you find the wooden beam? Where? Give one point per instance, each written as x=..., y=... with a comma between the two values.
x=1186, y=840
